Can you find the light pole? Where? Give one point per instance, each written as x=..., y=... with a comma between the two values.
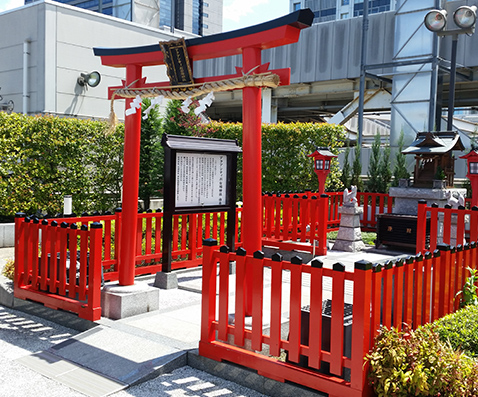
x=464, y=18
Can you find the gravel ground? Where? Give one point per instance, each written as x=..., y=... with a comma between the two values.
x=22, y=334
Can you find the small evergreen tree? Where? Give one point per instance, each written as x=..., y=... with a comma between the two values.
x=345, y=177
x=151, y=155
x=357, y=169
x=384, y=171
x=400, y=170
x=374, y=177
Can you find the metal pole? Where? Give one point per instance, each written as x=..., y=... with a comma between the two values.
x=173, y=15
x=451, y=94
x=362, y=71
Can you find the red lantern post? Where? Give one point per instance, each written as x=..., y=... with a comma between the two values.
x=322, y=158
x=472, y=175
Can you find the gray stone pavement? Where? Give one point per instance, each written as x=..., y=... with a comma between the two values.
x=152, y=354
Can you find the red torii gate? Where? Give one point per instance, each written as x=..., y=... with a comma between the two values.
x=248, y=41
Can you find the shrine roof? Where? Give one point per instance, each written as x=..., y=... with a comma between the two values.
x=435, y=143
x=323, y=151
x=274, y=33
x=191, y=143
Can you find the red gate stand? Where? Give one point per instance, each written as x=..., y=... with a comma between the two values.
x=132, y=142
x=249, y=42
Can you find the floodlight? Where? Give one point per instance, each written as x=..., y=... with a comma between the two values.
x=435, y=20
x=465, y=17
x=92, y=79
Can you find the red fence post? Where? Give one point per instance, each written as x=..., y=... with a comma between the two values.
x=223, y=312
x=418, y=291
x=337, y=320
x=257, y=296
x=322, y=224
x=398, y=297
x=208, y=305
x=444, y=279
x=474, y=224
x=408, y=290
x=421, y=226
x=240, y=304
x=376, y=298
x=436, y=277
x=94, y=272
x=434, y=212
x=361, y=325
x=19, y=247
x=295, y=308
x=276, y=304
x=427, y=285
x=315, y=314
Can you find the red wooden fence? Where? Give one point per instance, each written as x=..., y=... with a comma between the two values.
x=447, y=225
x=293, y=221
x=43, y=251
x=414, y=291
x=59, y=265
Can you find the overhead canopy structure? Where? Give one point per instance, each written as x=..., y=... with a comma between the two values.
x=249, y=42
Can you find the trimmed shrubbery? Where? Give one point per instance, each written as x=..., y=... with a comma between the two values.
x=43, y=158
x=460, y=329
x=285, y=165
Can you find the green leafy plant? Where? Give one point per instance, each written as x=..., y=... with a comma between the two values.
x=9, y=269
x=345, y=177
x=356, y=179
x=151, y=155
x=468, y=293
x=285, y=147
x=460, y=329
x=418, y=363
x=43, y=158
x=400, y=169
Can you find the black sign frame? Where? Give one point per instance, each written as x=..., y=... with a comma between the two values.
x=178, y=144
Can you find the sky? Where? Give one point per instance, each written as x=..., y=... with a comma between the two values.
x=242, y=13
x=237, y=13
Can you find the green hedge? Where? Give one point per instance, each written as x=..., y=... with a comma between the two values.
x=460, y=329
x=43, y=158
x=285, y=165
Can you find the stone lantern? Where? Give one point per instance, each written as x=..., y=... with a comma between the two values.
x=472, y=175
x=322, y=158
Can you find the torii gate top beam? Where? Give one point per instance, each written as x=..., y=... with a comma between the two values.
x=275, y=33
x=249, y=42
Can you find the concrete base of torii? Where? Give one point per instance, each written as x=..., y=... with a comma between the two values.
x=349, y=237
x=118, y=301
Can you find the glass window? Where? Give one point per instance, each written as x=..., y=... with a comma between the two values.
x=296, y=6
x=345, y=15
x=345, y=2
x=473, y=168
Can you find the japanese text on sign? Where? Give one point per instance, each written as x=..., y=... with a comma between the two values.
x=201, y=179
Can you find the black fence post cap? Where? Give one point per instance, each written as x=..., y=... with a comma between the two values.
x=209, y=242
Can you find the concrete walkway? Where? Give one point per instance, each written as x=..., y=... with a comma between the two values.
x=150, y=354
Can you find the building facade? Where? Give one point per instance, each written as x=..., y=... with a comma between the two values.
x=52, y=47
x=331, y=10
x=200, y=17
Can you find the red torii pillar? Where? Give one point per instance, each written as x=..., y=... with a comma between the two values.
x=248, y=41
